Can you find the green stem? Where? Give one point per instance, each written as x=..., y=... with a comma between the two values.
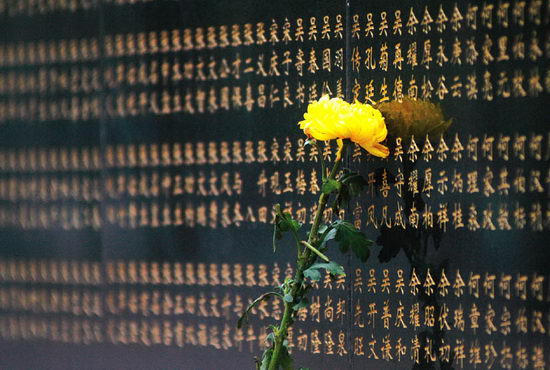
x=323, y=168
x=304, y=262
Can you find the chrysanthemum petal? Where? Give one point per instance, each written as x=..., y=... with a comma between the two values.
x=377, y=150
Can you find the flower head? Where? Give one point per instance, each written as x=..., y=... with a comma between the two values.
x=328, y=119
x=368, y=129
x=324, y=119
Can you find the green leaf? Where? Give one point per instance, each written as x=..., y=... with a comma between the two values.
x=276, y=236
x=288, y=298
x=322, y=229
x=302, y=304
x=313, y=274
x=327, y=236
x=285, y=360
x=243, y=320
x=354, y=181
x=361, y=251
x=287, y=223
x=352, y=185
x=283, y=223
x=286, y=284
x=331, y=186
x=332, y=267
x=266, y=358
x=348, y=236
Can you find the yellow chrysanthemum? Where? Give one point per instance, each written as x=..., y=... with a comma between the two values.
x=329, y=119
x=324, y=119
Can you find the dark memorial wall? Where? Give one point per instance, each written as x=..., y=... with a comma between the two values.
x=144, y=142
